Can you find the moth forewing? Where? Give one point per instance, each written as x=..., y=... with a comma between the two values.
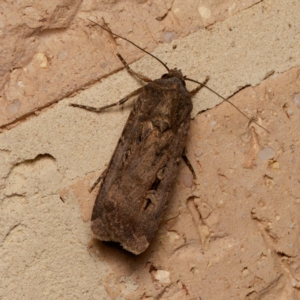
x=142, y=170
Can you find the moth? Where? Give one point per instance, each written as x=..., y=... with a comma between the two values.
x=137, y=183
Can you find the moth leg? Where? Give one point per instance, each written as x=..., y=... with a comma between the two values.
x=100, y=109
x=98, y=180
x=130, y=71
x=188, y=163
x=198, y=88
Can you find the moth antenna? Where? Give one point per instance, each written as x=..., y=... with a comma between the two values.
x=188, y=79
x=250, y=119
x=131, y=43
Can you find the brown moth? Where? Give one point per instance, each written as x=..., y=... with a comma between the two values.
x=142, y=170
x=139, y=178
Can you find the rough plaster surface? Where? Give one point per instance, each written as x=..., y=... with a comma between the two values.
x=231, y=234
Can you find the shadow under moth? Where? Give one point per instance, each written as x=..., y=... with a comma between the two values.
x=137, y=183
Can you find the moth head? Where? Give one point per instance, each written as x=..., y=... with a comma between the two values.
x=174, y=73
